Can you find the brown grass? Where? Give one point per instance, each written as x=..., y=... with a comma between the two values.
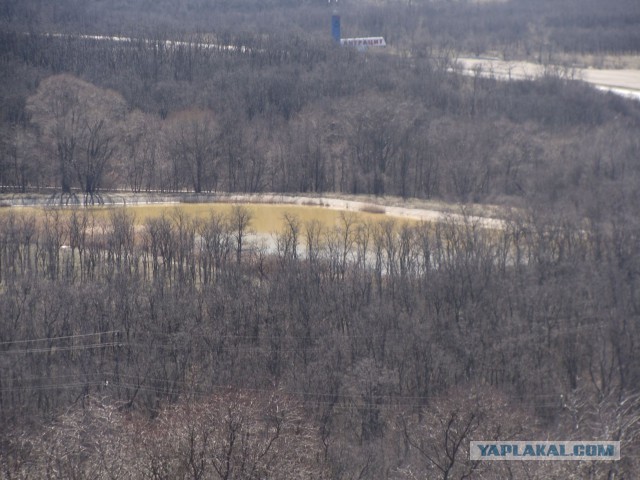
x=375, y=209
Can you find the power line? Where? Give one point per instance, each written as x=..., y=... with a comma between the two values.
x=50, y=339
x=285, y=347
x=61, y=349
x=210, y=389
x=341, y=401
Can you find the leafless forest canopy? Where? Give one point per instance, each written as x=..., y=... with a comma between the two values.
x=177, y=349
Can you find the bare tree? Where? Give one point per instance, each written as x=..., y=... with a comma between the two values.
x=240, y=222
x=193, y=143
x=81, y=122
x=139, y=155
x=438, y=440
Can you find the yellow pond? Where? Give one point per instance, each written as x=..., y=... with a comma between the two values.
x=265, y=218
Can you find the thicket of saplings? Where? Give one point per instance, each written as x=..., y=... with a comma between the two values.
x=183, y=348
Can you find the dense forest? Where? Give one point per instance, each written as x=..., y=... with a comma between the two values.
x=360, y=351
x=86, y=114
x=177, y=348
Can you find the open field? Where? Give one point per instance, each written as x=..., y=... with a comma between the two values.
x=621, y=81
x=602, y=61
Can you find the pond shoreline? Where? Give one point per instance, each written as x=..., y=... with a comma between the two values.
x=411, y=209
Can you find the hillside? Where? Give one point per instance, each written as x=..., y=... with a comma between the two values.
x=177, y=345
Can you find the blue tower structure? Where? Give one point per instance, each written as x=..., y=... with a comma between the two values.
x=360, y=43
x=335, y=26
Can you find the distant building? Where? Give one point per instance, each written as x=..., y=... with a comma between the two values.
x=364, y=42
x=360, y=43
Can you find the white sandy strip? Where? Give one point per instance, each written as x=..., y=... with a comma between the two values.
x=421, y=214
x=625, y=82
x=166, y=43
